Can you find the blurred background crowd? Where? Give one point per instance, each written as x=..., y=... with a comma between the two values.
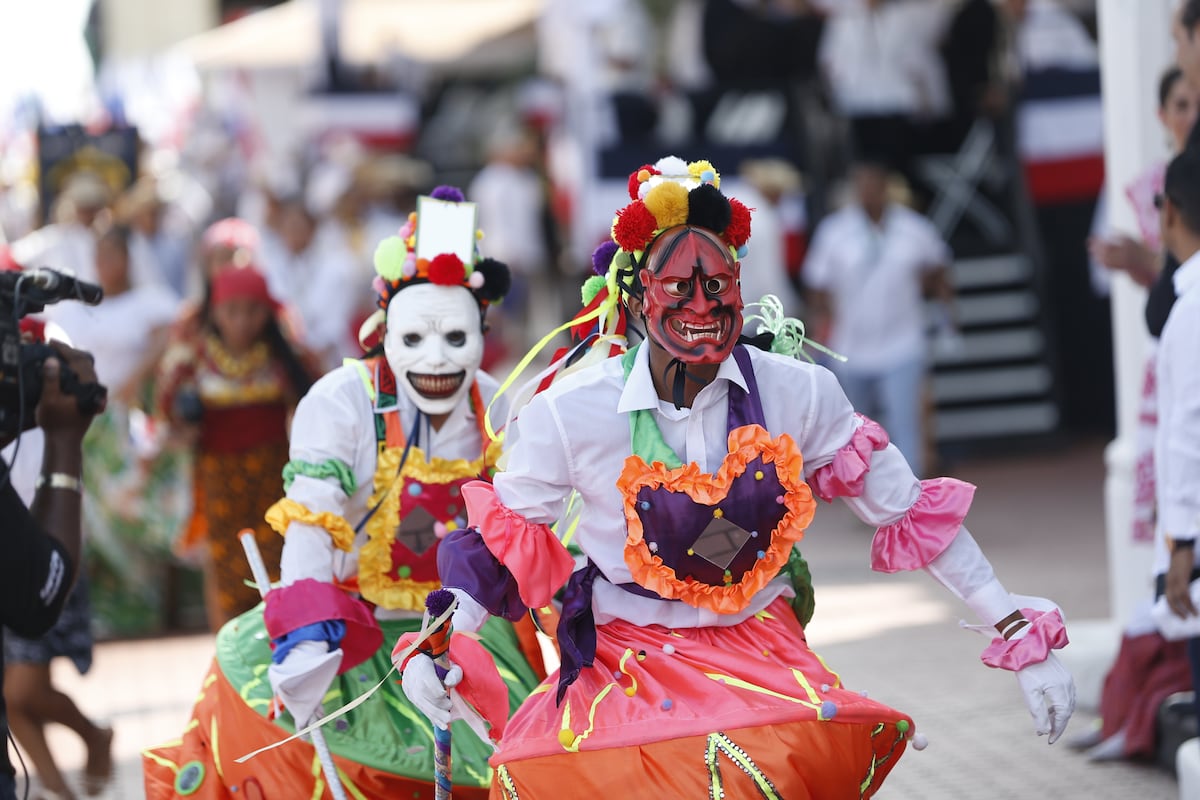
x=957, y=142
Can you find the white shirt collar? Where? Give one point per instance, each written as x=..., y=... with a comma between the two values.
x=1187, y=276
x=639, y=390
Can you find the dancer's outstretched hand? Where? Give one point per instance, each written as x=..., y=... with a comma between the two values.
x=1050, y=694
x=426, y=691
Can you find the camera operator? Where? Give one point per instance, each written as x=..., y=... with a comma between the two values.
x=40, y=545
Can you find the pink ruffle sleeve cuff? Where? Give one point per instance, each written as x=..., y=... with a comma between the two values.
x=1046, y=632
x=926, y=529
x=530, y=551
x=309, y=601
x=846, y=475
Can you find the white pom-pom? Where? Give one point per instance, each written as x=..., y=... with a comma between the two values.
x=672, y=167
x=476, y=280
x=919, y=741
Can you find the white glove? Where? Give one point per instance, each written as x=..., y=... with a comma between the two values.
x=425, y=691
x=303, y=678
x=1049, y=692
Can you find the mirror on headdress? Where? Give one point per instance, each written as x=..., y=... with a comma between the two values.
x=444, y=227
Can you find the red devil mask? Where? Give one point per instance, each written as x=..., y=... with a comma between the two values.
x=692, y=299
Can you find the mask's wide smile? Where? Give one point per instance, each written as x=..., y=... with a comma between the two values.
x=436, y=387
x=711, y=330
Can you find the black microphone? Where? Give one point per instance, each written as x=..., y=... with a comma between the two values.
x=62, y=286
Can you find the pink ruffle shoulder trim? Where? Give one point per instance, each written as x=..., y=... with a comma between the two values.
x=309, y=601
x=530, y=551
x=481, y=684
x=846, y=474
x=927, y=528
x=1046, y=632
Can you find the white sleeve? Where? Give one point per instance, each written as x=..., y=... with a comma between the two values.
x=1179, y=405
x=328, y=427
x=538, y=476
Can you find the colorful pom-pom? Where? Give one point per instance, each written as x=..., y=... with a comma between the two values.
x=496, y=279
x=440, y=530
x=920, y=741
x=450, y=194
x=389, y=258
x=591, y=287
x=634, y=227
x=638, y=177
x=672, y=167
x=738, y=231
x=902, y=725
x=668, y=202
x=704, y=171
x=602, y=257
x=708, y=176
x=446, y=269
x=829, y=709
x=742, y=251
x=708, y=208
x=410, y=266
x=475, y=281
x=566, y=738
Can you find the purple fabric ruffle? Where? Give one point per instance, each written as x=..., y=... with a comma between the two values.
x=465, y=562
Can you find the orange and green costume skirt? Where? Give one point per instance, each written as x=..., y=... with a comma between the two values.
x=383, y=748
x=745, y=711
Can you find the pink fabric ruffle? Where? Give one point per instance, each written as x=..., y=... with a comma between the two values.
x=310, y=601
x=926, y=529
x=481, y=684
x=1046, y=632
x=846, y=474
x=530, y=551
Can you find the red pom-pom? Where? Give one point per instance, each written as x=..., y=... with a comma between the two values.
x=634, y=183
x=738, y=232
x=634, y=227
x=446, y=270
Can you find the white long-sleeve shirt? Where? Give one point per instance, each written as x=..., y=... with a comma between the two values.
x=1177, y=441
x=576, y=435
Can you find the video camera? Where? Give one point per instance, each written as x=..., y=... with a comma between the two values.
x=27, y=292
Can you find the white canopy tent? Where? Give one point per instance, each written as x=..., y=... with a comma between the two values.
x=475, y=33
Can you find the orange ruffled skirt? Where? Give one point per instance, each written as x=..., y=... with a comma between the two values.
x=746, y=711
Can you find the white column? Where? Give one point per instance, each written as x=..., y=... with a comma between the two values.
x=1135, y=47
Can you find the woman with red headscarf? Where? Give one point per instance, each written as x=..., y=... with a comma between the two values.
x=230, y=383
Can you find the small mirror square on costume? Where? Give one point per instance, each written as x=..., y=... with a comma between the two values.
x=444, y=227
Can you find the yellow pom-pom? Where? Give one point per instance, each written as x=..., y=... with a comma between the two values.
x=704, y=171
x=643, y=175
x=630, y=691
x=668, y=202
x=389, y=258
x=566, y=738
x=479, y=234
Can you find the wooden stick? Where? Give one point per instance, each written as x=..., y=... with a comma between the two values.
x=259, y=570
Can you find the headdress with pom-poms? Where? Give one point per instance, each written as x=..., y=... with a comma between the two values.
x=397, y=267
x=666, y=194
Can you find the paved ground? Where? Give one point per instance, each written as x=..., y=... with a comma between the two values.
x=1040, y=518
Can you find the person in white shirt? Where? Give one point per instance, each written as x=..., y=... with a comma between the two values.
x=1177, y=442
x=68, y=244
x=867, y=272
x=380, y=448
x=693, y=456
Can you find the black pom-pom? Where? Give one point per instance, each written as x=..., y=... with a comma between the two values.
x=496, y=279
x=708, y=208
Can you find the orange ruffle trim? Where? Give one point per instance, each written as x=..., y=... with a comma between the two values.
x=745, y=444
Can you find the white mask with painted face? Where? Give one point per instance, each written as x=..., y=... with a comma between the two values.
x=434, y=344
